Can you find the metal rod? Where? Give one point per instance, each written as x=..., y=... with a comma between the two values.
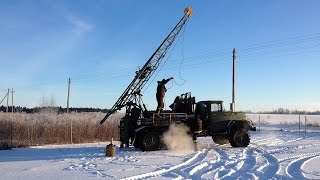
x=8, y=101
x=68, y=96
x=12, y=100
x=259, y=122
x=299, y=123
x=233, y=106
x=305, y=124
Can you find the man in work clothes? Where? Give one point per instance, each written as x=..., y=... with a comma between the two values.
x=161, y=91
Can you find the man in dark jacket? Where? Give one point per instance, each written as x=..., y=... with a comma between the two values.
x=161, y=91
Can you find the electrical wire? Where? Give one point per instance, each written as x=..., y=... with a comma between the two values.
x=276, y=56
x=259, y=49
x=257, y=46
x=212, y=55
x=4, y=97
x=276, y=43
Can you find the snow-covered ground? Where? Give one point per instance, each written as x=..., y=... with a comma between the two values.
x=278, y=154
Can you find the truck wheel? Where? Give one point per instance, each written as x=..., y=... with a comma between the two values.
x=239, y=137
x=151, y=141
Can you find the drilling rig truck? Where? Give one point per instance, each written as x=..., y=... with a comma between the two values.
x=204, y=118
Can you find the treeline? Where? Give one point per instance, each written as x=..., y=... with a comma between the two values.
x=287, y=111
x=50, y=108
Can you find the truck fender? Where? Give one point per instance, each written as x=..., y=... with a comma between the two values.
x=233, y=124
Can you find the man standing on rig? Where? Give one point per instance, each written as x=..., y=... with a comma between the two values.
x=161, y=91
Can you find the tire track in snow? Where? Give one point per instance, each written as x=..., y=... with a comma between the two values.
x=263, y=139
x=231, y=163
x=93, y=166
x=211, y=166
x=287, y=148
x=89, y=167
x=274, y=141
x=192, y=169
x=248, y=162
x=271, y=167
x=298, y=156
x=268, y=141
x=216, y=168
x=294, y=170
x=188, y=170
x=316, y=173
x=239, y=166
x=227, y=166
x=289, y=141
x=174, y=170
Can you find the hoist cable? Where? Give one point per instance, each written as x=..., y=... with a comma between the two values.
x=182, y=60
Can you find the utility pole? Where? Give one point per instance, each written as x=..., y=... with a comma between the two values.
x=11, y=116
x=68, y=95
x=8, y=100
x=68, y=111
x=233, y=105
x=12, y=100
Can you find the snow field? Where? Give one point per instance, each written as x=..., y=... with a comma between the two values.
x=271, y=155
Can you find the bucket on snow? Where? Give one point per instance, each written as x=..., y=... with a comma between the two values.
x=110, y=150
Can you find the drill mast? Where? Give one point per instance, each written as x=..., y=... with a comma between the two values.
x=131, y=97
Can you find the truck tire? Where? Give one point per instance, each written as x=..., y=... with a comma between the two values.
x=151, y=141
x=239, y=137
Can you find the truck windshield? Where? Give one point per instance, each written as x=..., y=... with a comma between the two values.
x=215, y=107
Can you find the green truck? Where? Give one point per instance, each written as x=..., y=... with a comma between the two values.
x=203, y=118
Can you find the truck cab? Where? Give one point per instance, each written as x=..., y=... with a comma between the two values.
x=218, y=119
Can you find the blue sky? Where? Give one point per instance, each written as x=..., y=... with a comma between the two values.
x=100, y=44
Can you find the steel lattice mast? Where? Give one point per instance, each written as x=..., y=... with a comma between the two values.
x=132, y=93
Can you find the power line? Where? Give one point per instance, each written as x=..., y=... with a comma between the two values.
x=4, y=98
x=292, y=40
x=211, y=55
x=256, y=46
x=261, y=49
x=276, y=56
